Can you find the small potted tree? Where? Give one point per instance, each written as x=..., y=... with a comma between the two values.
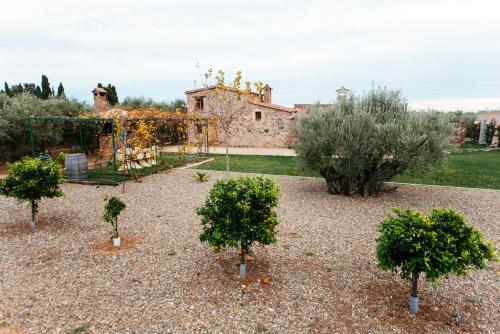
x=437, y=245
x=113, y=206
x=239, y=212
x=30, y=180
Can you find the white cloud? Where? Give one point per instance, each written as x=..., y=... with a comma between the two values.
x=429, y=49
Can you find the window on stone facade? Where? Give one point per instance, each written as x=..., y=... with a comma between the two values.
x=199, y=103
x=258, y=116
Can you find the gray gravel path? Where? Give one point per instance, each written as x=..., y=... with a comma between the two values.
x=53, y=280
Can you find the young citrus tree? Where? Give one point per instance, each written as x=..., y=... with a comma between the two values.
x=436, y=245
x=29, y=180
x=113, y=206
x=239, y=212
x=361, y=142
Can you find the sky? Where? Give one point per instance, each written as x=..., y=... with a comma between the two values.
x=441, y=54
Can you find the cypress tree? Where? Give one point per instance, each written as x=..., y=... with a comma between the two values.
x=46, y=92
x=7, y=89
x=60, y=90
x=114, y=100
x=111, y=94
x=37, y=91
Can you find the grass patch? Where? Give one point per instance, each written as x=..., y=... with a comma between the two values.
x=471, y=169
x=168, y=161
x=260, y=164
x=82, y=328
x=260, y=329
x=310, y=253
x=474, y=145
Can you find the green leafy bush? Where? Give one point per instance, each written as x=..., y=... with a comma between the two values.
x=113, y=206
x=239, y=212
x=61, y=157
x=29, y=180
x=438, y=245
x=361, y=142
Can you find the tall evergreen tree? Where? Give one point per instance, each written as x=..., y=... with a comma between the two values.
x=46, y=92
x=112, y=95
x=29, y=87
x=7, y=89
x=37, y=92
x=60, y=90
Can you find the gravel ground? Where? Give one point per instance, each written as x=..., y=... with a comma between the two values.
x=320, y=277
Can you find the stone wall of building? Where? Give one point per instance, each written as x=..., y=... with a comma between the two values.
x=272, y=130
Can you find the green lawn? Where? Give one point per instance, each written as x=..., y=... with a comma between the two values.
x=473, y=169
x=261, y=164
x=169, y=161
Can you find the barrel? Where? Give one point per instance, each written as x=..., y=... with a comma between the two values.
x=76, y=166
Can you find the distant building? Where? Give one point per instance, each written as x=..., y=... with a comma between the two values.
x=341, y=93
x=489, y=116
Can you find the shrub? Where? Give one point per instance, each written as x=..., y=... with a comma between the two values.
x=239, y=212
x=32, y=179
x=437, y=245
x=61, y=157
x=360, y=143
x=201, y=177
x=490, y=132
x=113, y=206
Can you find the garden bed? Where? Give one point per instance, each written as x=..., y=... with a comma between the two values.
x=319, y=277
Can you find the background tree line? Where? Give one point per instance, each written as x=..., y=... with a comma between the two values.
x=15, y=110
x=43, y=91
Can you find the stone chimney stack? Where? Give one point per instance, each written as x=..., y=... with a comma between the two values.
x=100, y=101
x=342, y=93
x=267, y=94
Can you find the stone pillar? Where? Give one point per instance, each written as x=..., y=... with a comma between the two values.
x=482, y=132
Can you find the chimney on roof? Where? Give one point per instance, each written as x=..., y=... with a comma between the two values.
x=267, y=94
x=342, y=93
x=100, y=100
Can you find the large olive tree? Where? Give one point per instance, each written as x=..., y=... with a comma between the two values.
x=361, y=142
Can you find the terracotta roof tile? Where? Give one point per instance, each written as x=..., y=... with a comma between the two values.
x=273, y=106
x=304, y=106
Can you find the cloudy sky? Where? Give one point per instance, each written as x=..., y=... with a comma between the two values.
x=443, y=54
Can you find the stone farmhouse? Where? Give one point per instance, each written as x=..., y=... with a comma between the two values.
x=258, y=121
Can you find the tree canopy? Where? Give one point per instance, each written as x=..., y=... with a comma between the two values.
x=361, y=142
